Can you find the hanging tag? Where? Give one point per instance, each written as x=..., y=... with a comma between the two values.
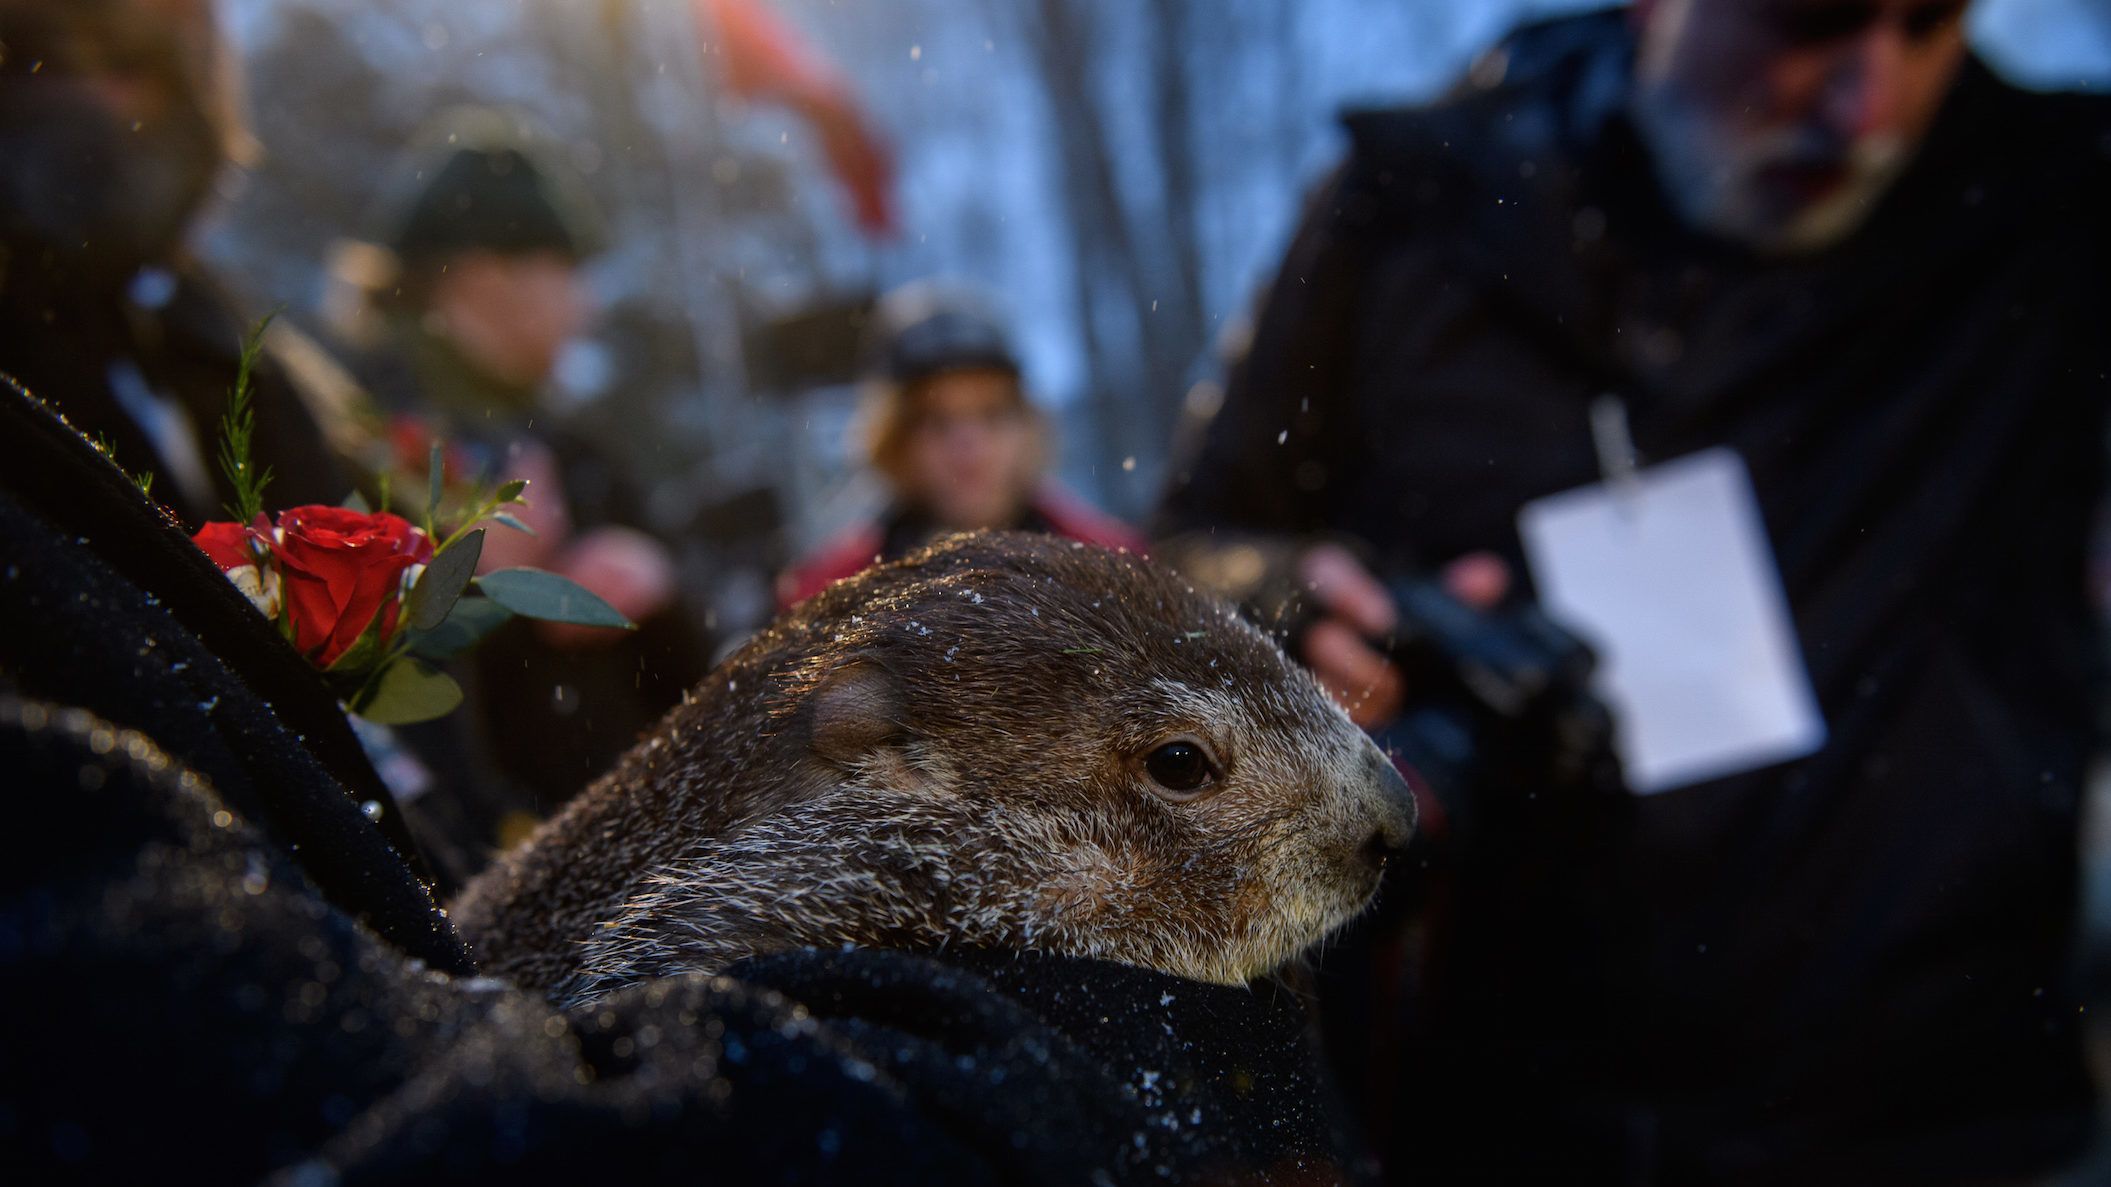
x=1668, y=574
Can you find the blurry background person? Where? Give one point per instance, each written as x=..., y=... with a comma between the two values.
x=117, y=118
x=956, y=439
x=1822, y=234
x=487, y=291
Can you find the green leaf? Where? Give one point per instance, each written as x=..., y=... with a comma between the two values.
x=532, y=593
x=357, y=502
x=238, y=422
x=467, y=625
x=510, y=492
x=407, y=692
x=443, y=581
x=508, y=521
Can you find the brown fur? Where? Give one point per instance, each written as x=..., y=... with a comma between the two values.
x=950, y=750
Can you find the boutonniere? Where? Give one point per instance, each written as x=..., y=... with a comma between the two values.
x=373, y=600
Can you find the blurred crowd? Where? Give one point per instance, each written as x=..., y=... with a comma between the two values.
x=1819, y=233
x=121, y=117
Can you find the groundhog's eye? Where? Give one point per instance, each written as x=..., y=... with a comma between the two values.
x=1179, y=767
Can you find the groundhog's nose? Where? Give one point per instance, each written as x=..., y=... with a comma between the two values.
x=1396, y=805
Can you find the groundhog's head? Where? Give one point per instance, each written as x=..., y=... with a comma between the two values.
x=1012, y=741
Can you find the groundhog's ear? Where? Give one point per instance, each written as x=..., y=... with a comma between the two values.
x=856, y=710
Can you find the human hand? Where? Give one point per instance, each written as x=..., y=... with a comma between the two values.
x=1356, y=610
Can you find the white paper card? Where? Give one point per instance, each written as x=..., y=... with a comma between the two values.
x=1670, y=577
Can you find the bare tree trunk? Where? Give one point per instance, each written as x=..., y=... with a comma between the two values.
x=1092, y=205
x=1154, y=277
x=1179, y=328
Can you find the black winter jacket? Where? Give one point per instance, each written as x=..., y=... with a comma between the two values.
x=1850, y=966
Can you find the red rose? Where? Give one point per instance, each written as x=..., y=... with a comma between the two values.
x=341, y=569
x=226, y=543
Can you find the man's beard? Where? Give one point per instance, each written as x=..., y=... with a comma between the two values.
x=95, y=198
x=1794, y=191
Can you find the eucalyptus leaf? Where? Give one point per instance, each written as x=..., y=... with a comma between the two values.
x=532, y=593
x=510, y=492
x=466, y=625
x=509, y=521
x=443, y=581
x=357, y=502
x=407, y=692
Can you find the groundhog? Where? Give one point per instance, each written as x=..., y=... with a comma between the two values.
x=1002, y=741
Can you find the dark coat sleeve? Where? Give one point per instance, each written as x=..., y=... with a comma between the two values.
x=176, y=993
x=1073, y=1071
